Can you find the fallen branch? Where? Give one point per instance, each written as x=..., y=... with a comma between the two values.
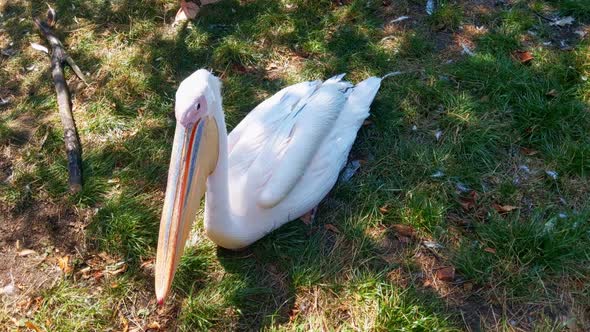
x=59, y=58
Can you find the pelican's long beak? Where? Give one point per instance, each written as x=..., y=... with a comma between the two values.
x=194, y=157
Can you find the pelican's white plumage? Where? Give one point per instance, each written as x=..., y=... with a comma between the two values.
x=285, y=157
x=276, y=165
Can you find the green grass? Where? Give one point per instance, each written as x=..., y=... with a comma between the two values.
x=526, y=252
x=364, y=275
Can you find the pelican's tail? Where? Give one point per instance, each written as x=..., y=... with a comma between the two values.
x=361, y=98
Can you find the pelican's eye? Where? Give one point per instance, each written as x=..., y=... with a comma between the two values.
x=198, y=106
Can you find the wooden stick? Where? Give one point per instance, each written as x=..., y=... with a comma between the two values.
x=59, y=58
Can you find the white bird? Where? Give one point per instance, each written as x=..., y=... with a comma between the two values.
x=276, y=165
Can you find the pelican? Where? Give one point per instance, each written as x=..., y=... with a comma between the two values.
x=276, y=165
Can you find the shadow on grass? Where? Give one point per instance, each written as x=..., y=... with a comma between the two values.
x=125, y=176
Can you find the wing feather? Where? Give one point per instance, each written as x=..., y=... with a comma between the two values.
x=284, y=137
x=312, y=124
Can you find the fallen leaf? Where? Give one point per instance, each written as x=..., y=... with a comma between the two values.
x=293, y=313
x=147, y=264
x=24, y=304
x=427, y=283
x=384, y=209
x=26, y=252
x=490, y=250
x=467, y=203
x=446, y=273
x=524, y=57
x=64, y=264
x=116, y=269
x=309, y=217
x=97, y=275
x=125, y=325
x=332, y=228
x=568, y=20
x=40, y=48
x=404, y=230
x=468, y=286
x=32, y=326
x=552, y=93
x=153, y=326
x=529, y=152
x=503, y=208
x=187, y=11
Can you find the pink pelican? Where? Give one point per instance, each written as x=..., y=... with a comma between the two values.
x=276, y=165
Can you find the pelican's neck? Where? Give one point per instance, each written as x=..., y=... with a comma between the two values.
x=218, y=219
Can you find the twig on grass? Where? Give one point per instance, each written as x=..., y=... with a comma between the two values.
x=59, y=58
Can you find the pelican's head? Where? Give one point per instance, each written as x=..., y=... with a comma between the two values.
x=196, y=97
x=194, y=156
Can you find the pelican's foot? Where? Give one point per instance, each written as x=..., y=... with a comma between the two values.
x=309, y=217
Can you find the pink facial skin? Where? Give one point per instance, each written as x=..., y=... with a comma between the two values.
x=188, y=117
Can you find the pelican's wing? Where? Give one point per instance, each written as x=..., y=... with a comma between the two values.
x=274, y=146
x=332, y=154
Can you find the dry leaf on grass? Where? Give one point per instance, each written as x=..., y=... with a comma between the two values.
x=504, y=208
x=468, y=203
x=332, y=228
x=552, y=93
x=524, y=57
x=64, y=264
x=293, y=313
x=404, y=230
x=529, y=152
x=153, y=326
x=149, y=264
x=490, y=250
x=32, y=326
x=309, y=217
x=446, y=273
